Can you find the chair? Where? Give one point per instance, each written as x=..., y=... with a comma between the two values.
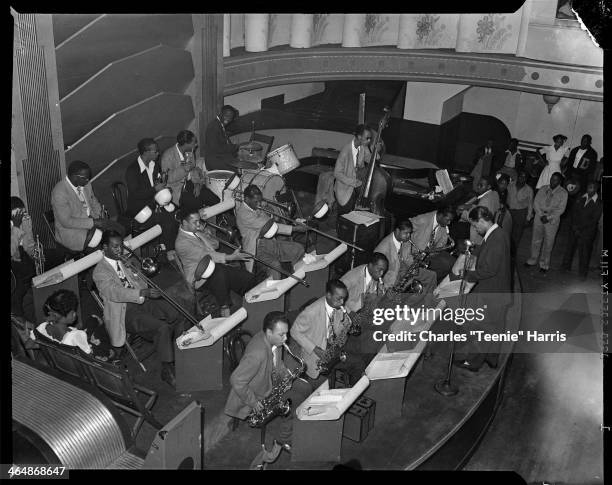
x=120, y=196
x=61, y=357
x=49, y=218
x=266, y=140
x=115, y=382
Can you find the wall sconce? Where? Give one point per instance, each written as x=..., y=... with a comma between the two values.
x=550, y=101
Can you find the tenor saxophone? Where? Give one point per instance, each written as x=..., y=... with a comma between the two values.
x=333, y=352
x=274, y=404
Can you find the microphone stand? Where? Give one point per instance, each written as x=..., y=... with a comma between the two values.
x=446, y=387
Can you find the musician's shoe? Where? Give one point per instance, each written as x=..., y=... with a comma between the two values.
x=543, y=270
x=285, y=445
x=527, y=265
x=167, y=375
x=467, y=365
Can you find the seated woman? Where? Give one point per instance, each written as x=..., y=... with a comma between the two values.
x=60, y=310
x=195, y=194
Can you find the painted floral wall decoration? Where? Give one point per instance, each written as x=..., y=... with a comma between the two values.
x=375, y=25
x=491, y=31
x=320, y=22
x=429, y=30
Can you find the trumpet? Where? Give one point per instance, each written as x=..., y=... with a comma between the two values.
x=308, y=228
x=38, y=255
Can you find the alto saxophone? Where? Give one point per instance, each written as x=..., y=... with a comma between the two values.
x=333, y=352
x=274, y=404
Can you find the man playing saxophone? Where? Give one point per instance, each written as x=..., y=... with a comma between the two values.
x=365, y=281
x=320, y=323
x=260, y=372
x=403, y=256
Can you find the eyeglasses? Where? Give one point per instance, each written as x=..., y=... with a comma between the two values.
x=82, y=177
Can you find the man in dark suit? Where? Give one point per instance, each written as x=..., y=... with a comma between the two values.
x=492, y=292
x=143, y=179
x=581, y=162
x=260, y=367
x=218, y=149
x=585, y=215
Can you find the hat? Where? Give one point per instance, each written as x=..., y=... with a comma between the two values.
x=93, y=238
x=205, y=268
x=269, y=229
x=144, y=214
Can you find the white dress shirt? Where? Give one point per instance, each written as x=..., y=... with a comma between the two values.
x=148, y=169
x=586, y=196
x=491, y=229
x=329, y=320
x=578, y=157
x=355, y=152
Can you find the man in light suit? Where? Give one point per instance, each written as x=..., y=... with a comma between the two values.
x=261, y=365
x=351, y=159
x=178, y=160
x=192, y=244
x=365, y=280
x=315, y=325
x=218, y=149
x=251, y=220
x=401, y=253
x=124, y=294
x=430, y=230
x=492, y=291
x=76, y=209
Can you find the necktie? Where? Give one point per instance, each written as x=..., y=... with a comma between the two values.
x=81, y=197
x=330, y=327
x=122, y=277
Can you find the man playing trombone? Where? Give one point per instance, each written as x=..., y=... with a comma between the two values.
x=124, y=293
x=251, y=220
x=192, y=244
x=403, y=254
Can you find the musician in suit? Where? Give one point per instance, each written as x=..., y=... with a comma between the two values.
x=401, y=255
x=195, y=195
x=585, y=215
x=76, y=209
x=581, y=162
x=365, y=280
x=316, y=324
x=251, y=220
x=143, y=179
x=270, y=182
x=218, y=149
x=124, y=294
x=259, y=369
x=350, y=162
x=485, y=197
x=549, y=205
x=178, y=160
x=193, y=242
x=492, y=291
x=431, y=230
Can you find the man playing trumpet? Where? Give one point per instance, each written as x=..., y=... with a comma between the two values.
x=258, y=375
x=124, y=293
x=402, y=254
x=251, y=220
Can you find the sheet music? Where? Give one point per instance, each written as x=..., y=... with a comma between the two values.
x=386, y=366
x=362, y=217
x=448, y=289
x=444, y=181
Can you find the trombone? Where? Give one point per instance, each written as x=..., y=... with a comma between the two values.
x=190, y=318
x=317, y=208
x=230, y=233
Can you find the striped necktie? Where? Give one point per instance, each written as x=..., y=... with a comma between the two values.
x=122, y=277
x=81, y=197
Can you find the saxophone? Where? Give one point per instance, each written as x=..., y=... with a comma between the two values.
x=421, y=260
x=333, y=352
x=274, y=404
x=38, y=254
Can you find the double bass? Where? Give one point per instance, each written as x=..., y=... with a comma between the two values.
x=376, y=181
